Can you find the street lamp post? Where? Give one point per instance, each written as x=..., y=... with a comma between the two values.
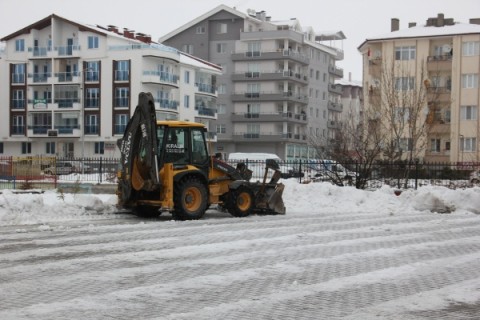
x=82, y=106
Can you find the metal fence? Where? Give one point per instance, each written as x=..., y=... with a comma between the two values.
x=53, y=172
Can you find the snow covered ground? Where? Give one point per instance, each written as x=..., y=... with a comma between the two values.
x=337, y=253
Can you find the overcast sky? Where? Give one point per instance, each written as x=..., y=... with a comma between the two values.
x=358, y=19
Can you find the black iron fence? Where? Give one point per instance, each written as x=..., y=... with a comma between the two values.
x=45, y=172
x=51, y=172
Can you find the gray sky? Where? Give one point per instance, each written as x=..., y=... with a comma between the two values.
x=358, y=19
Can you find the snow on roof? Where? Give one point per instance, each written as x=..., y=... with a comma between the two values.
x=199, y=63
x=345, y=82
x=431, y=31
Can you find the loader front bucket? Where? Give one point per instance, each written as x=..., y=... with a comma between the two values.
x=275, y=200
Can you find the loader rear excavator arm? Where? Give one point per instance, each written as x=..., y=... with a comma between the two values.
x=138, y=147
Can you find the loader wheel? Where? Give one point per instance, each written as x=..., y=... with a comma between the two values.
x=190, y=199
x=241, y=202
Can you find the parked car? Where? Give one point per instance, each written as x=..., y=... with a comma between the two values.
x=60, y=167
x=79, y=167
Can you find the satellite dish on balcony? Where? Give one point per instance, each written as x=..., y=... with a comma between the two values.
x=446, y=48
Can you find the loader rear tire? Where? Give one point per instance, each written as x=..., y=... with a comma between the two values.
x=241, y=202
x=190, y=199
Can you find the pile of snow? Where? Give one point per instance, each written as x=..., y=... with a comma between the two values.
x=312, y=198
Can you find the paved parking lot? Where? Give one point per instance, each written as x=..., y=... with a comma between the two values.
x=328, y=266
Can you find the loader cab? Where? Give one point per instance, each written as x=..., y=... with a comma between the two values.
x=182, y=143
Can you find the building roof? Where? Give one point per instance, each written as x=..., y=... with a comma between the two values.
x=351, y=83
x=427, y=32
x=199, y=63
x=199, y=19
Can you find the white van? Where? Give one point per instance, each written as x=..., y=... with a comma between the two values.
x=255, y=161
x=252, y=156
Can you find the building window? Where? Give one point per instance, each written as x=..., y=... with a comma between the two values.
x=18, y=124
x=26, y=147
x=50, y=148
x=122, y=70
x=468, y=144
x=468, y=112
x=317, y=75
x=92, y=42
x=186, y=101
x=1, y=147
x=221, y=128
x=405, y=53
x=221, y=109
x=91, y=124
x=435, y=145
x=200, y=29
x=122, y=97
x=471, y=48
x=253, y=130
x=222, y=28
x=18, y=75
x=404, y=83
x=187, y=48
x=254, y=49
x=311, y=73
x=92, y=98
x=99, y=147
x=221, y=47
x=20, y=45
x=406, y=144
x=221, y=89
x=92, y=71
x=324, y=77
x=324, y=97
x=186, y=77
x=310, y=92
x=120, y=124
x=469, y=81
x=18, y=99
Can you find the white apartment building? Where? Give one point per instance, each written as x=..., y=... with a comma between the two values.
x=449, y=52
x=69, y=89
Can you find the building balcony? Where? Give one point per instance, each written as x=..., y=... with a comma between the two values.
x=269, y=96
x=17, y=79
x=334, y=88
x=205, y=88
x=157, y=77
x=40, y=78
x=280, y=75
x=439, y=94
x=335, y=106
x=439, y=63
x=375, y=67
x=439, y=127
x=338, y=72
x=332, y=124
x=206, y=112
x=437, y=156
x=18, y=104
x=270, y=117
x=268, y=137
x=280, y=54
x=57, y=131
x=166, y=104
x=38, y=52
x=272, y=34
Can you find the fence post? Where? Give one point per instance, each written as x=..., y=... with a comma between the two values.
x=100, y=169
x=416, y=174
x=300, y=170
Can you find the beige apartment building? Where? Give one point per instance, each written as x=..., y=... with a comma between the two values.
x=448, y=54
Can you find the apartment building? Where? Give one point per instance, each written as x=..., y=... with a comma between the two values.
x=69, y=89
x=449, y=53
x=278, y=79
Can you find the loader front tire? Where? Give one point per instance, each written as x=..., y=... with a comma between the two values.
x=241, y=202
x=190, y=199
